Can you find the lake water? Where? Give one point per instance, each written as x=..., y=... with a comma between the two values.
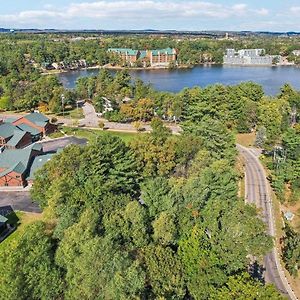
x=271, y=78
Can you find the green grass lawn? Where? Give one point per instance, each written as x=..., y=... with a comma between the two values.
x=91, y=134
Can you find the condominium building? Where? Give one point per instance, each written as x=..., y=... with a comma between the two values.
x=250, y=57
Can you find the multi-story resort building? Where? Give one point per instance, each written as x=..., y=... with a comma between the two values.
x=153, y=58
x=250, y=57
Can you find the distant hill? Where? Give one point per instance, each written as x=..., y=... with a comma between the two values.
x=215, y=33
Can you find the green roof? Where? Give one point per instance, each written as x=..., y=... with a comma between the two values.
x=17, y=159
x=124, y=50
x=11, y=119
x=168, y=51
x=37, y=118
x=16, y=138
x=38, y=163
x=28, y=128
x=7, y=130
x=143, y=54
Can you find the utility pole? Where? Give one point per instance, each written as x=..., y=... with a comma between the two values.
x=63, y=104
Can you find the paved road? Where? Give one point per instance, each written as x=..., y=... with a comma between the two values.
x=18, y=201
x=257, y=193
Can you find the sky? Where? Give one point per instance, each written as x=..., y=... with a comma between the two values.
x=256, y=15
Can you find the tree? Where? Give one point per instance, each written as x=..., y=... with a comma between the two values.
x=165, y=272
x=261, y=136
x=29, y=271
x=4, y=103
x=291, y=250
x=242, y=287
x=164, y=228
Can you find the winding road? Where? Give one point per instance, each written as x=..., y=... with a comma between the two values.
x=257, y=193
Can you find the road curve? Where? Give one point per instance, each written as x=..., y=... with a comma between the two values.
x=257, y=192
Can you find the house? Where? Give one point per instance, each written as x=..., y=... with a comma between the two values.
x=13, y=137
x=36, y=123
x=15, y=164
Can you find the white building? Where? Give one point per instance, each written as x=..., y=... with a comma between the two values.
x=250, y=57
x=296, y=52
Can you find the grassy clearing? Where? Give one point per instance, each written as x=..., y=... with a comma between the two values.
x=246, y=139
x=91, y=134
x=21, y=220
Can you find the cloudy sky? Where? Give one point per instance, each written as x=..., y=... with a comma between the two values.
x=273, y=15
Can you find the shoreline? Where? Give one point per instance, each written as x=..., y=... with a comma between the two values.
x=54, y=72
x=109, y=67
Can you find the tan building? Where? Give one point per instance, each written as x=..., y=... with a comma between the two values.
x=160, y=57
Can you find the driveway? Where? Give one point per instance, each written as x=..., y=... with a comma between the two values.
x=90, y=116
x=19, y=201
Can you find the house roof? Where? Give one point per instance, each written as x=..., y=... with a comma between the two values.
x=11, y=119
x=17, y=159
x=16, y=138
x=37, y=118
x=38, y=163
x=7, y=130
x=28, y=128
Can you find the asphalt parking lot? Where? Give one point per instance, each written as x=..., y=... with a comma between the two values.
x=19, y=201
x=54, y=145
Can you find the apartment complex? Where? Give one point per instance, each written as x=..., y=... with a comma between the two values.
x=153, y=58
x=250, y=57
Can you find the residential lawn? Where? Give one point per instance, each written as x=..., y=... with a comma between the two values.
x=76, y=114
x=91, y=134
x=56, y=134
x=20, y=219
x=246, y=139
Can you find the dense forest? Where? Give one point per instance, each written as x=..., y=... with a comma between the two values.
x=123, y=223
x=160, y=217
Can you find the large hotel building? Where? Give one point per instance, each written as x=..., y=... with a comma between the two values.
x=154, y=58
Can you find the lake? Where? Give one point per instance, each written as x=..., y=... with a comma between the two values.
x=271, y=78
